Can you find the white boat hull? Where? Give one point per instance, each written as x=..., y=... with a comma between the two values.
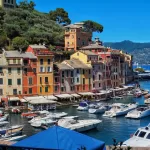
x=96, y=111
x=80, y=108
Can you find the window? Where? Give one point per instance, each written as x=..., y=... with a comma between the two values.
x=93, y=85
x=48, y=61
x=67, y=73
x=34, y=70
x=77, y=80
x=72, y=80
x=40, y=89
x=62, y=89
x=148, y=136
x=71, y=73
x=14, y=61
x=72, y=88
x=8, y=1
x=15, y=91
x=30, y=81
x=18, y=61
x=49, y=69
x=62, y=80
x=89, y=72
x=46, y=79
x=99, y=77
x=40, y=80
x=25, y=70
x=93, y=77
x=1, y=70
x=99, y=85
x=89, y=81
x=1, y=81
x=42, y=69
x=18, y=70
x=56, y=88
x=30, y=90
x=18, y=81
x=83, y=80
x=12, y=1
x=46, y=89
x=9, y=81
x=1, y=91
x=77, y=70
x=41, y=61
x=83, y=71
x=62, y=73
x=9, y=70
x=141, y=134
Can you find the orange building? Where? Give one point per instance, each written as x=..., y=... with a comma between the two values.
x=76, y=37
x=44, y=69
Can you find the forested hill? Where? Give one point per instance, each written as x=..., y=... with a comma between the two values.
x=140, y=51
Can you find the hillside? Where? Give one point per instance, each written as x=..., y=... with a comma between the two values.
x=140, y=51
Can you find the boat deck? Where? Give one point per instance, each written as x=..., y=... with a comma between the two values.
x=2, y=142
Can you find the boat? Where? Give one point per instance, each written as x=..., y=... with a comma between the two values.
x=147, y=101
x=16, y=110
x=4, y=118
x=26, y=114
x=141, y=138
x=39, y=118
x=71, y=117
x=15, y=138
x=11, y=130
x=83, y=106
x=119, y=109
x=137, y=93
x=57, y=115
x=79, y=125
x=139, y=112
x=99, y=109
x=3, y=123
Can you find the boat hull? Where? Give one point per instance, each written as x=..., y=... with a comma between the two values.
x=96, y=111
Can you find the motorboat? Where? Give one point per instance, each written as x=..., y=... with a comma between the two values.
x=99, y=109
x=4, y=117
x=138, y=93
x=147, y=101
x=57, y=115
x=31, y=113
x=11, y=130
x=119, y=109
x=79, y=125
x=15, y=138
x=71, y=117
x=3, y=123
x=83, y=106
x=139, y=112
x=16, y=110
x=141, y=138
x=39, y=118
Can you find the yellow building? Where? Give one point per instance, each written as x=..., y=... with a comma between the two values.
x=76, y=37
x=44, y=69
x=8, y=3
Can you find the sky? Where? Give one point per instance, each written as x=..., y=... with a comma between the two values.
x=122, y=19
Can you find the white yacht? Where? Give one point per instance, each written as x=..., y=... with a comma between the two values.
x=99, y=109
x=57, y=115
x=141, y=138
x=119, y=109
x=140, y=112
x=147, y=101
x=79, y=125
x=83, y=106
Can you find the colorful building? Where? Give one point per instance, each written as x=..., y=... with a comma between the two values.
x=44, y=70
x=8, y=3
x=76, y=37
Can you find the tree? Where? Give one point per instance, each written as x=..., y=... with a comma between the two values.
x=2, y=14
x=20, y=42
x=93, y=26
x=25, y=5
x=141, y=70
x=60, y=16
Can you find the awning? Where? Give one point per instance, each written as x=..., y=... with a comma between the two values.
x=86, y=94
x=51, y=97
x=41, y=101
x=75, y=95
x=13, y=99
x=33, y=98
x=23, y=100
x=64, y=96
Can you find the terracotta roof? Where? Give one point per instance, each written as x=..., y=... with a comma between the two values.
x=38, y=46
x=87, y=52
x=93, y=46
x=63, y=66
x=17, y=54
x=76, y=63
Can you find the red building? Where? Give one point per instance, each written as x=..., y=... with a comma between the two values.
x=29, y=74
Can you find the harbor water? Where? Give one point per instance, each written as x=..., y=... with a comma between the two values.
x=119, y=128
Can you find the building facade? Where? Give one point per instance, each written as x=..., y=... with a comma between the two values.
x=44, y=70
x=76, y=37
x=8, y=3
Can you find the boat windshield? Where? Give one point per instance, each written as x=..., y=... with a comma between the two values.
x=137, y=132
x=148, y=136
x=83, y=104
x=142, y=134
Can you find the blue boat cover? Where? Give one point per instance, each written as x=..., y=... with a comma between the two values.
x=59, y=138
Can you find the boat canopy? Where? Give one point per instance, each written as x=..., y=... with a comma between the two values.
x=86, y=93
x=75, y=95
x=51, y=97
x=63, y=96
x=13, y=99
x=58, y=137
x=41, y=101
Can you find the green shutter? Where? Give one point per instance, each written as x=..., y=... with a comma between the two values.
x=46, y=89
x=9, y=81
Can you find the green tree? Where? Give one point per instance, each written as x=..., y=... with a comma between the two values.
x=27, y=5
x=20, y=42
x=93, y=26
x=60, y=16
x=2, y=14
x=140, y=70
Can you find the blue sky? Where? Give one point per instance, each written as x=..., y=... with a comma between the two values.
x=122, y=19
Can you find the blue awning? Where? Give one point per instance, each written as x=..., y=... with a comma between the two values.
x=60, y=138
